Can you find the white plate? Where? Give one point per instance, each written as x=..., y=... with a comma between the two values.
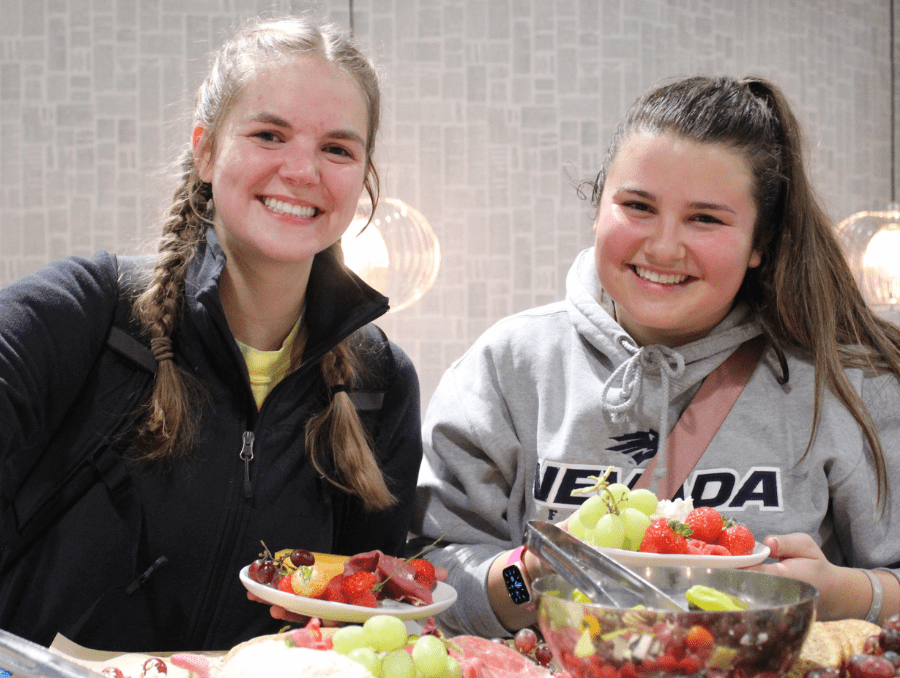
x=443, y=595
x=639, y=559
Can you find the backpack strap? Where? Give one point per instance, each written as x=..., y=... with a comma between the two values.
x=101, y=463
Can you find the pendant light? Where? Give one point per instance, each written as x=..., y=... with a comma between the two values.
x=872, y=239
x=394, y=250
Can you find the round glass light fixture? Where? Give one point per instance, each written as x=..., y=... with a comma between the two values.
x=397, y=253
x=872, y=244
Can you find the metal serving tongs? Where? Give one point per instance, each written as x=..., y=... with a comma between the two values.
x=604, y=580
x=30, y=660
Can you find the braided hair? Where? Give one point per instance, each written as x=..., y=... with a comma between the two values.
x=168, y=429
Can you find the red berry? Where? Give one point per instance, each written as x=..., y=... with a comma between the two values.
x=425, y=574
x=334, y=592
x=706, y=523
x=664, y=536
x=357, y=584
x=738, y=540
x=284, y=584
x=112, y=672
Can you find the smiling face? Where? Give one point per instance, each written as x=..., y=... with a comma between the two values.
x=289, y=163
x=674, y=234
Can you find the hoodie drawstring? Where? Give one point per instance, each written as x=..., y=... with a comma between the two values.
x=629, y=374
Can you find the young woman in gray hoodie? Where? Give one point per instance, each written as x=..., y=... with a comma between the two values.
x=708, y=234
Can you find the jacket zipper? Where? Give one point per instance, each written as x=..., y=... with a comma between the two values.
x=247, y=456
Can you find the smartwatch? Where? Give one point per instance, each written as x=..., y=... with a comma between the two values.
x=515, y=576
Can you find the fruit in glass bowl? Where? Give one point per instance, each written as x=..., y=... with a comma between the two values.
x=764, y=640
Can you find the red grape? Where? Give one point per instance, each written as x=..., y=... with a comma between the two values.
x=302, y=557
x=823, y=672
x=543, y=655
x=263, y=570
x=869, y=666
x=893, y=622
x=525, y=640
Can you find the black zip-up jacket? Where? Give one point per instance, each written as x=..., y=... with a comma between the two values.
x=205, y=514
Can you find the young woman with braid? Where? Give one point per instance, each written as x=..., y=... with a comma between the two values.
x=708, y=235
x=277, y=412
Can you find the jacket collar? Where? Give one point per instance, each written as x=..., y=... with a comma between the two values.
x=338, y=302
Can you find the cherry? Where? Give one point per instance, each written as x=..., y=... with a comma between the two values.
x=302, y=558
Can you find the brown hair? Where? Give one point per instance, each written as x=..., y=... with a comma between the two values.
x=803, y=292
x=168, y=430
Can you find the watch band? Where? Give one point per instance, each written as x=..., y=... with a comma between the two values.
x=517, y=581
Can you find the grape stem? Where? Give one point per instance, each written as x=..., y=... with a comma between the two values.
x=600, y=483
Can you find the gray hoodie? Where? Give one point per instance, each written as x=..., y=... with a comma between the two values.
x=552, y=395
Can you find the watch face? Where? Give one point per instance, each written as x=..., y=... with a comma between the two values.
x=515, y=584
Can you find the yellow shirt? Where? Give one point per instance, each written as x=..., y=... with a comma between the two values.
x=267, y=368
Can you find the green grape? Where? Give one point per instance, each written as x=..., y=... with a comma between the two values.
x=635, y=523
x=385, y=633
x=615, y=493
x=368, y=658
x=349, y=638
x=454, y=670
x=609, y=532
x=643, y=500
x=430, y=656
x=591, y=511
x=576, y=528
x=398, y=664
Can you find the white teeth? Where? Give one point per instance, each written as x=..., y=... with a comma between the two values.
x=287, y=208
x=657, y=278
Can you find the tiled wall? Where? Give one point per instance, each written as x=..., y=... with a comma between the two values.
x=493, y=108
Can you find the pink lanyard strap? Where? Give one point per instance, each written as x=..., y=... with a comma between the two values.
x=699, y=423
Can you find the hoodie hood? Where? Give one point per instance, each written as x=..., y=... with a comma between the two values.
x=653, y=382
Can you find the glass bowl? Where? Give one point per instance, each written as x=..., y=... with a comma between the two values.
x=606, y=642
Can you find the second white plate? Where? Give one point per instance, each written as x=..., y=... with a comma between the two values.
x=639, y=559
x=443, y=595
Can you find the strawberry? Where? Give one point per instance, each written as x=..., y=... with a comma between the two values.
x=363, y=599
x=706, y=523
x=358, y=584
x=308, y=581
x=738, y=540
x=424, y=572
x=664, y=536
x=334, y=592
x=284, y=584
